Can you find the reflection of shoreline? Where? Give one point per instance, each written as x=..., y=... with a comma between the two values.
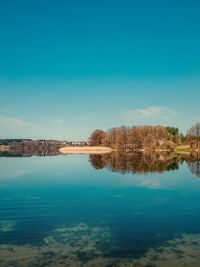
x=144, y=163
x=25, y=154
x=28, y=148
x=121, y=162
x=194, y=167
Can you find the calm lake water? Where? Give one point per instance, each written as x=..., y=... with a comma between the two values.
x=110, y=210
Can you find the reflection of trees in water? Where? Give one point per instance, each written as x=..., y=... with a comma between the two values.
x=194, y=163
x=22, y=153
x=31, y=148
x=195, y=167
x=144, y=163
x=99, y=161
x=135, y=162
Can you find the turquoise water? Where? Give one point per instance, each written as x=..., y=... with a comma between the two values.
x=63, y=205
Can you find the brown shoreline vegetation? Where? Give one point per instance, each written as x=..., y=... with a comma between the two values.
x=148, y=139
x=129, y=139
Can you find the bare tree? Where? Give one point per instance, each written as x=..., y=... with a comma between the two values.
x=132, y=138
x=149, y=141
x=194, y=134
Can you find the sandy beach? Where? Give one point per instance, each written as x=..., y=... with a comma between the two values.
x=85, y=150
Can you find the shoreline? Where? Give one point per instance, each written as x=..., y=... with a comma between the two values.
x=85, y=150
x=106, y=150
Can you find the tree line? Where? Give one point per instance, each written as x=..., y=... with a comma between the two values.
x=194, y=136
x=136, y=138
x=146, y=137
x=10, y=141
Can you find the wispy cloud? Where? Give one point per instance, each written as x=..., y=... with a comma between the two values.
x=15, y=121
x=15, y=127
x=150, y=183
x=149, y=112
x=59, y=121
x=152, y=111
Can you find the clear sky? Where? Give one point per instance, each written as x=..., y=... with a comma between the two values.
x=69, y=67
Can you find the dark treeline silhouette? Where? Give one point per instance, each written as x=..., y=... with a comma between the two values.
x=28, y=148
x=10, y=141
x=135, y=138
x=143, y=163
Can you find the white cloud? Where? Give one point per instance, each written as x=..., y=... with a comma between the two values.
x=150, y=183
x=15, y=127
x=15, y=121
x=152, y=111
x=60, y=121
x=151, y=115
x=149, y=112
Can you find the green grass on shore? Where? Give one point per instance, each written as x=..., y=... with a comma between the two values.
x=183, y=149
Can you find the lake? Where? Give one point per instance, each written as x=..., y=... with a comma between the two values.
x=100, y=210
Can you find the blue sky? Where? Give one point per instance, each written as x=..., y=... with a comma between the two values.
x=69, y=67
